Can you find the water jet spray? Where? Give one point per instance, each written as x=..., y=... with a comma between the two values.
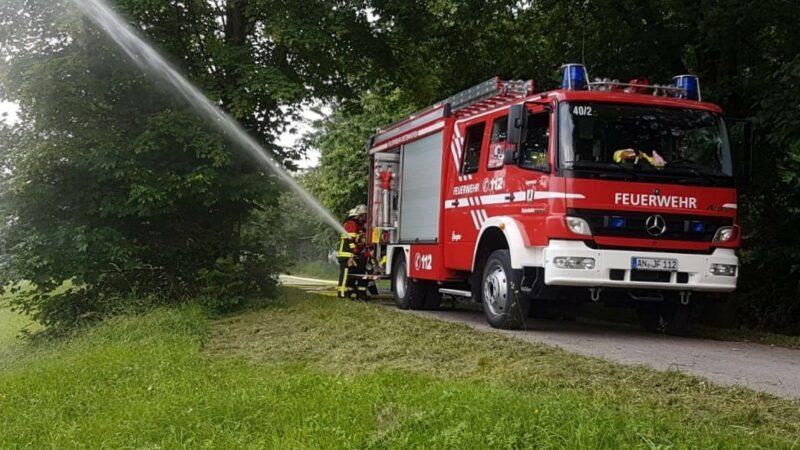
x=146, y=57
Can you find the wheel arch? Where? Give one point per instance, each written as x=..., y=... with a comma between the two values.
x=500, y=232
x=393, y=252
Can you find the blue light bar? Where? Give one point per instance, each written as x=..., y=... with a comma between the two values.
x=698, y=227
x=616, y=222
x=575, y=77
x=690, y=85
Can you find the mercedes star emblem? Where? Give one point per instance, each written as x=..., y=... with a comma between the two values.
x=655, y=225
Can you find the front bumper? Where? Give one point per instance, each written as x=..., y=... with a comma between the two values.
x=696, y=267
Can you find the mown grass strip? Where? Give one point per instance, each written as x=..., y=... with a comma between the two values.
x=351, y=338
x=314, y=372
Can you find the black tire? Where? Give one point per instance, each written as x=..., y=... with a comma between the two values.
x=667, y=317
x=408, y=293
x=504, y=305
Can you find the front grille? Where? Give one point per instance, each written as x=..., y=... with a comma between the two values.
x=653, y=276
x=596, y=246
x=678, y=227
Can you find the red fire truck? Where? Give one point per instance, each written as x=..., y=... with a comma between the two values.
x=598, y=191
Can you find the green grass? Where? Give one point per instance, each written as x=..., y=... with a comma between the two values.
x=11, y=325
x=315, y=269
x=314, y=372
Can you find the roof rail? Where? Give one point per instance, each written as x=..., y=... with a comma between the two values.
x=488, y=94
x=481, y=97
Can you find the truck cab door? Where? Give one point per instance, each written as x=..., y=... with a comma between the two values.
x=462, y=213
x=527, y=174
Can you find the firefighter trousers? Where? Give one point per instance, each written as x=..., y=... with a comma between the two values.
x=349, y=282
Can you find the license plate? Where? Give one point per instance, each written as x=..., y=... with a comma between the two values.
x=670, y=265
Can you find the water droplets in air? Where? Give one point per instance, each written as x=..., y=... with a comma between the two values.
x=146, y=57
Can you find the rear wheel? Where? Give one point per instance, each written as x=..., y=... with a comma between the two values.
x=503, y=304
x=433, y=298
x=410, y=293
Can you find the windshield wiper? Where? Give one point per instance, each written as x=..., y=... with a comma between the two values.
x=683, y=162
x=693, y=168
x=619, y=170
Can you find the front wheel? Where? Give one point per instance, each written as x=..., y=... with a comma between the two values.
x=503, y=304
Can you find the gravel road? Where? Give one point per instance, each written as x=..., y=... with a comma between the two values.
x=774, y=370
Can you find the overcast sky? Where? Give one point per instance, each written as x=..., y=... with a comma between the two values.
x=8, y=112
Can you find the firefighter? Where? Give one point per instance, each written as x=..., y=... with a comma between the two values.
x=353, y=254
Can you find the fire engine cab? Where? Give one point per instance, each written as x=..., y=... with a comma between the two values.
x=598, y=191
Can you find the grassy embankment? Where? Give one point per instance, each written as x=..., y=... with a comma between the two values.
x=314, y=372
x=11, y=324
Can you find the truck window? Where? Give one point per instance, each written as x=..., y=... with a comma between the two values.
x=497, y=145
x=537, y=137
x=472, y=148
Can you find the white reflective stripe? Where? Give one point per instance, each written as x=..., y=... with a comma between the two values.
x=457, y=203
x=474, y=219
x=729, y=206
x=457, y=147
x=485, y=217
x=477, y=200
x=431, y=128
x=493, y=199
x=453, y=152
x=550, y=194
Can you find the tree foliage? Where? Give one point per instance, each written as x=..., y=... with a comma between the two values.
x=112, y=188
x=744, y=52
x=112, y=184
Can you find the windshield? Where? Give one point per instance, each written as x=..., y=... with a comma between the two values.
x=644, y=142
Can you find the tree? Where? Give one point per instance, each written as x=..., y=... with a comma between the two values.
x=744, y=53
x=112, y=185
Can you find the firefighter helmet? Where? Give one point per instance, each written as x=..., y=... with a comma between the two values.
x=360, y=209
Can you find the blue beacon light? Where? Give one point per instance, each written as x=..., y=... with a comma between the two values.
x=575, y=77
x=698, y=227
x=617, y=222
x=690, y=85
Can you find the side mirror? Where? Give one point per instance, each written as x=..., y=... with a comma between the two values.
x=511, y=157
x=517, y=120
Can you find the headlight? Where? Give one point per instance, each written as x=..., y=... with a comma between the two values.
x=723, y=234
x=727, y=270
x=578, y=226
x=572, y=262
